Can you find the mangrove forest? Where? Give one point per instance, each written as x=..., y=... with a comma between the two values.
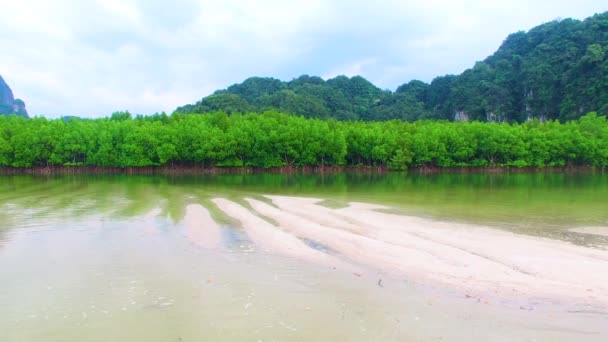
x=274, y=139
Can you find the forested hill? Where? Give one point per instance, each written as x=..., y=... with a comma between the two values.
x=558, y=70
x=8, y=104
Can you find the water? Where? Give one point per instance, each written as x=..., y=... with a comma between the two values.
x=109, y=258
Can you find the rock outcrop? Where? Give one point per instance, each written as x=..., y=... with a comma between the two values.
x=8, y=103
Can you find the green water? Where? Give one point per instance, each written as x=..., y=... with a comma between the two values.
x=545, y=204
x=82, y=259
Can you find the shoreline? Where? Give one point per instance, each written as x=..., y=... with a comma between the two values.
x=196, y=170
x=469, y=261
x=598, y=231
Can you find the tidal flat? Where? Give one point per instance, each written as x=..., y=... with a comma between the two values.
x=454, y=257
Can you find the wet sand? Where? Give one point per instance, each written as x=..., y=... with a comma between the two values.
x=472, y=261
x=289, y=268
x=601, y=231
x=272, y=239
x=201, y=229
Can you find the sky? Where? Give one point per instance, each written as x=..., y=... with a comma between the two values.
x=92, y=57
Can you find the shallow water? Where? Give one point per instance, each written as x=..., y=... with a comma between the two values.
x=111, y=258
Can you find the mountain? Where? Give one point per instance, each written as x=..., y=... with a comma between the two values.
x=341, y=97
x=558, y=70
x=8, y=103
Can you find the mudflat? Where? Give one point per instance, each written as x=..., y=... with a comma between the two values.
x=470, y=260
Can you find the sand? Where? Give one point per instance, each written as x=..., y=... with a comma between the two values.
x=201, y=229
x=470, y=260
x=271, y=239
x=150, y=228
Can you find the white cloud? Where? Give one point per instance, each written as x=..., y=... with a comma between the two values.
x=124, y=10
x=91, y=57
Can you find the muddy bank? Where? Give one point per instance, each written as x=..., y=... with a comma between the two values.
x=195, y=170
x=431, y=169
x=182, y=170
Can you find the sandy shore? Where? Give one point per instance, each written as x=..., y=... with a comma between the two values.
x=474, y=260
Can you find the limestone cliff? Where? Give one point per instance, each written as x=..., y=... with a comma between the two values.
x=8, y=103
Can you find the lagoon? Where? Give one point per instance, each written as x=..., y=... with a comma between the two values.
x=304, y=257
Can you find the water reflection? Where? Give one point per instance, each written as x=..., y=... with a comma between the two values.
x=538, y=203
x=114, y=258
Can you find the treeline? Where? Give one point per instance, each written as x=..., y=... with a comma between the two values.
x=273, y=139
x=555, y=71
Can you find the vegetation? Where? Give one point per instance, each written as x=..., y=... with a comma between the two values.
x=555, y=71
x=273, y=139
x=534, y=91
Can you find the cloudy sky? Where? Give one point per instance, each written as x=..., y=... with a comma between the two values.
x=90, y=58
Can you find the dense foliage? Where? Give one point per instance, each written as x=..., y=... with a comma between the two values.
x=558, y=70
x=342, y=98
x=274, y=139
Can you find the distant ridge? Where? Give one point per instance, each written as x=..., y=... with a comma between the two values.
x=557, y=70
